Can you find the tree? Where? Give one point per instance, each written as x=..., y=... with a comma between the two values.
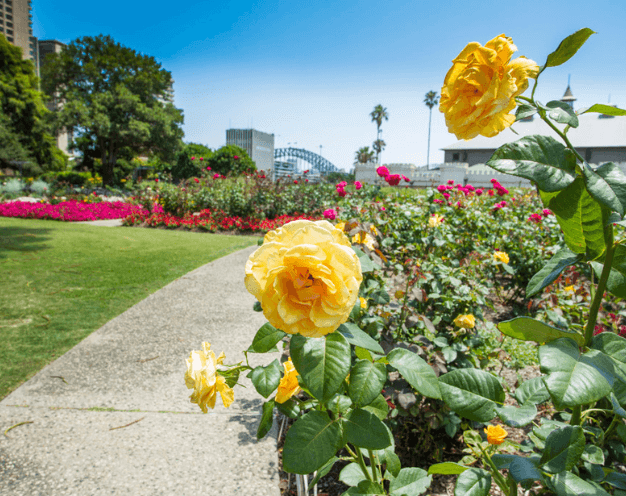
x=113, y=99
x=363, y=155
x=24, y=130
x=430, y=100
x=230, y=159
x=378, y=115
x=378, y=146
x=197, y=150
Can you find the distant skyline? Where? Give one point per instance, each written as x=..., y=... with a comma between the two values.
x=311, y=72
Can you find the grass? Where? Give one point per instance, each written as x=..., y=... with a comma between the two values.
x=61, y=281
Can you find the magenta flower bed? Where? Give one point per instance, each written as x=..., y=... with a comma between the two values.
x=71, y=211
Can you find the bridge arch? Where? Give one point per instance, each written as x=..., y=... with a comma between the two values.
x=317, y=162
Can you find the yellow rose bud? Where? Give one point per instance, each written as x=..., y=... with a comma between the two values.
x=288, y=384
x=465, y=321
x=495, y=434
x=479, y=90
x=306, y=277
x=435, y=220
x=363, y=302
x=501, y=256
x=202, y=376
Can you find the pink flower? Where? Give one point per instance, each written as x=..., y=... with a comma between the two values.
x=502, y=191
x=536, y=218
x=383, y=208
x=193, y=158
x=382, y=171
x=208, y=168
x=406, y=179
x=341, y=192
x=469, y=187
x=446, y=196
x=341, y=185
x=450, y=182
x=490, y=192
x=546, y=212
x=441, y=188
x=306, y=171
x=306, y=180
x=295, y=181
x=479, y=192
x=393, y=179
x=330, y=214
x=622, y=331
x=236, y=157
x=196, y=179
x=503, y=203
x=598, y=329
x=358, y=185
x=494, y=182
x=201, y=159
x=459, y=204
x=216, y=175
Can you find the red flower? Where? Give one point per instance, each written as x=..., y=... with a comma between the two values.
x=208, y=168
x=536, y=218
x=393, y=179
x=216, y=175
x=406, y=179
x=156, y=180
x=358, y=185
x=306, y=180
x=236, y=157
x=382, y=171
x=295, y=182
x=196, y=179
x=306, y=171
x=193, y=158
x=451, y=181
x=341, y=192
x=201, y=159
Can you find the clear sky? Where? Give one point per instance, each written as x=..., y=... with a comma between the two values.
x=311, y=71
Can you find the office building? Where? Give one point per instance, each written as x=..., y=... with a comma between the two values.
x=16, y=23
x=260, y=146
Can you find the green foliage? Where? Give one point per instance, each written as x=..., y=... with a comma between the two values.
x=223, y=161
x=116, y=101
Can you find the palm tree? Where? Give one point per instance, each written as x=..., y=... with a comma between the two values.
x=378, y=146
x=378, y=115
x=363, y=155
x=430, y=100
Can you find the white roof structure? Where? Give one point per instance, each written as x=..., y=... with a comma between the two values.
x=595, y=131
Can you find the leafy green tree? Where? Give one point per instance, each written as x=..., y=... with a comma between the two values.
x=24, y=132
x=197, y=150
x=378, y=146
x=378, y=115
x=230, y=159
x=431, y=99
x=364, y=155
x=113, y=99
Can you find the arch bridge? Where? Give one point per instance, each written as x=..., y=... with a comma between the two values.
x=317, y=162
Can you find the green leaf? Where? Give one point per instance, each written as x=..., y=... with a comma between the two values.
x=573, y=379
x=351, y=474
x=266, y=379
x=581, y=218
x=380, y=297
x=267, y=419
x=517, y=417
x=410, y=482
x=447, y=468
x=323, y=471
x=593, y=454
x=266, y=338
x=472, y=393
x=607, y=184
x=365, y=430
x=548, y=274
x=392, y=461
x=562, y=113
x=367, y=265
x=415, y=371
x=568, y=484
x=366, y=381
x=257, y=306
x=473, y=482
x=541, y=159
x=323, y=363
x=616, y=479
x=289, y=408
x=339, y=404
x=365, y=488
x=564, y=448
x=616, y=283
x=502, y=461
x=378, y=407
x=568, y=47
x=524, y=111
x=532, y=391
x=604, y=109
x=357, y=337
x=524, y=469
x=310, y=442
x=614, y=348
x=528, y=329
x=617, y=408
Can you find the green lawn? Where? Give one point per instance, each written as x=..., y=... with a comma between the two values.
x=61, y=281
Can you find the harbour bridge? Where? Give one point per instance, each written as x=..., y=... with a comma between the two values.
x=317, y=162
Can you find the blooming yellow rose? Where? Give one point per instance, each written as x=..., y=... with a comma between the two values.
x=435, y=220
x=306, y=277
x=495, y=434
x=363, y=302
x=465, y=321
x=202, y=376
x=288, y=384
x=569, y=289
x=479, y=90
x=363, y=238
x=340, y=226
x=501, y=256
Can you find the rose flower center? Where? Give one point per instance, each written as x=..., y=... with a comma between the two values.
x=305, y=286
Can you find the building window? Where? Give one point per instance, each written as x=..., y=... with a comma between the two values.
x=9, y=17
x=10, y=32
x=10, y=39
x=1, y=29
x=9, y=10
x=9, y=2
x=588, y=155
x=455, y=157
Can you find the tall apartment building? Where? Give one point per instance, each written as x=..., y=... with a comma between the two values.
x=16, y=23
x=260, y=146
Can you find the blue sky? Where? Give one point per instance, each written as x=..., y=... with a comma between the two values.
x=311, y=72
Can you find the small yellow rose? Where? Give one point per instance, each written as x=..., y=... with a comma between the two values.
x=465, y=321
x=288, y=384
x=479, y=90
x=495, y=434
x=306, y=277
x=341, y=226
x=569, y=289
x=363, y=302
x=363, y=238
x=202, y=376
x=435, y=220
x=501, y=256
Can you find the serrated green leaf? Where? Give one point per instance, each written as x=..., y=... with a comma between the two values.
x=378, y=407
x=604, y=109
x=366, y=430
x=564, y=448
x=517, y=417
x=266, y=379
x=267, y=419
x=472, y=393
x=548, y=274
x=323, y=471
x=538, y=158
x=616, y=479
x=523, y=469
x=473, y=482
x=447, y=468
x=614, y=348
x=393, y=462
x=310, y=442
x=415, y=371
x=593, y=454
x=366, y=382
x=289, y=408
x=524, y=111
x=339, y=404
x=529, y=329
x=357, y=337
x=532, y=391
x=410, y=481
x=265, y=339
x=323, y=363
x=568, y=47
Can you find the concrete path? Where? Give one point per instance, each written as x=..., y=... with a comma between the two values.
x=112, y=415
x=104, y=223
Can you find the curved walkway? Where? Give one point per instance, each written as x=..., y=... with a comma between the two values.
x=112, y=415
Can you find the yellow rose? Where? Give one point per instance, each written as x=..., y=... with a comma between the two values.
x=363, y=302
x=306, y=277
x=435, y=220
x=569, y=289
x=501, y=256
x=288, y=384
x=479, y=91
x=340, y=226
x=363, y=238
x=202, y=376
x=495, y=434
x=465, y=321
